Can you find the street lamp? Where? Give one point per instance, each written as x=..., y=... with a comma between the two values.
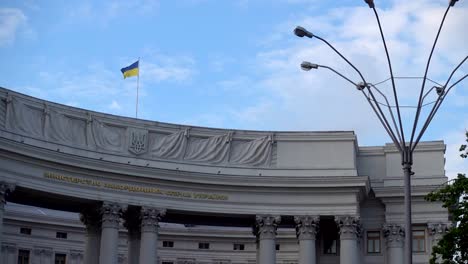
x=394, y=126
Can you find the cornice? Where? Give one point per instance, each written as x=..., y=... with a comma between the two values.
x=436, y=145
x=82, y=165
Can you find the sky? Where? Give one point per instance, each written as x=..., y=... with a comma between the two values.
x=235, y=64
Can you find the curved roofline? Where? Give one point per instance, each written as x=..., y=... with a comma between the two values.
x=171, y=125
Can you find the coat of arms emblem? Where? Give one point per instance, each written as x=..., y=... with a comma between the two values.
x=137, y=141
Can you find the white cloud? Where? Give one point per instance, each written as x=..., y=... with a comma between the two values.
x=320, y=100
x=115, y=106
x=11, y=19
x=103, y=12
x=156, y=68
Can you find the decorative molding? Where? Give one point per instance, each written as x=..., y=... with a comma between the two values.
x=111, y=213
x=8, y=248
x=76, y=254
x=150, y=218
x=394, y=234
x=349, y=227
x=438, y=230
x=43, y=251
x=306, y=227
x=137, y=141
x=266, y=226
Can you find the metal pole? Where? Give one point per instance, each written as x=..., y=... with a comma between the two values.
x=407, y=164
x=138, y=86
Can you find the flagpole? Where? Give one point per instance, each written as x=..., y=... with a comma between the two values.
x=138, y=86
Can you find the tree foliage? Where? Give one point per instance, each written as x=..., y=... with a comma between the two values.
x=453, y=247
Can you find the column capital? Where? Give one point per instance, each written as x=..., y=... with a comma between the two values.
x=350, y=227
x=76, y=254
x=394, y=234
x=111, y=213
x=266, y=226
x=438, y=230
x=150, y=218
x=43, y=251
x=306, y=226
x=8, y=247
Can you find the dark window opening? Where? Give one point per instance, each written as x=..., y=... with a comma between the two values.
x=25, y=230
x=239, y=247
x=203, y=245
x=60, y=258
x=168, y=244
x=23, y=256
x=62, y=235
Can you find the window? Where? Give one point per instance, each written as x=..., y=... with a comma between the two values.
x=373, y=242
x=419, y=241
x=62, y=235
x=60, y=258
x=239, y=246
x=277, y=246
x=203, y=245
x=25, y=231
x=168, y=244
x=23, y=256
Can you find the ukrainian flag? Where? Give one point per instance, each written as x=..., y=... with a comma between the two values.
x=132, y=70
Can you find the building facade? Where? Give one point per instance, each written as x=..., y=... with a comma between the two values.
x=122, y=190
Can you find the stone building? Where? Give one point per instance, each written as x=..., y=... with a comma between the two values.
x=87, y=187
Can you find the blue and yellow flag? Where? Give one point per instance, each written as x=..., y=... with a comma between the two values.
x=132, y=70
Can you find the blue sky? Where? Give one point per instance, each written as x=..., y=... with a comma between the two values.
x=234, y=64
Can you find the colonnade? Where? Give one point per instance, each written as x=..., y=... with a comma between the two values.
x=102, y=235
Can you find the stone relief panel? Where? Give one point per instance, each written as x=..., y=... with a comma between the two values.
x=24, y=119
x=256, y=152
x=170, y=146
x=85, y=130
x=64, y=129
x=108, y=137
x=210, y=150
x=137, y=140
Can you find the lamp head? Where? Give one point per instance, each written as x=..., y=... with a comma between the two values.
x=360, y=86
x=370, y=3
x=307, y=66
x=440, y=90
x=301, y=32
x=452, y=2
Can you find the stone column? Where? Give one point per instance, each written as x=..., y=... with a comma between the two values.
x=395, y=240
x=76, y=257
x=349, y=230
x=149, y=233
x=91, y=218
x=8, y=253
x=266, y=226
x=306, y=230
x=42, y=255
x=133, y=224
x=437, y=231
x=5, y=189
x=109, y=233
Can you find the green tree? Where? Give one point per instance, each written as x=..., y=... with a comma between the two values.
x=453, y=247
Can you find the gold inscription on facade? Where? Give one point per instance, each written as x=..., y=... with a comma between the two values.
x=134, y=188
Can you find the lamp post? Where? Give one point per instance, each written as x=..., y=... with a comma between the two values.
x=394, y=126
